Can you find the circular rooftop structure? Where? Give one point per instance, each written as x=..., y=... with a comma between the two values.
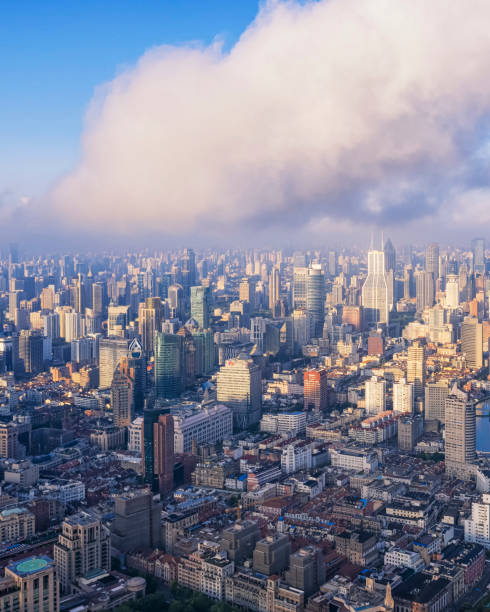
x=29, y=566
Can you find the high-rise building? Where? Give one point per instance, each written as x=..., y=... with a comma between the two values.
x=435, y=401
x=306, y=570
x=410, y=430
x=30, y=585
x=51, y=325
x=416, y=368
x=472, y=342
x=30, y=351
x=375, y=290
x=332, y=264
x=478, y=249
x=315, y=390
x=424, y=289
x=118, y=319
x=477, y=526
x=271, y=555
x=452, y=291
x=147, y=326
x=9, y=440
x=150, y=417
x=163, y=440
x=205, y=351
x=74, y=326
x=403, y=397
x=375, y=395
x=239, y=386
x=137, y=522
x=247, y=291
x=274, y=289
x=300, y=287
x=84, y=545
x=170, y=365
x=315, y=299
x=200, y=305
x=460, y=440
x=432, y=260
x=122, y=398
x=111, y=350
x=390, y=270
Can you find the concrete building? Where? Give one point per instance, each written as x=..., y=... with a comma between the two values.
x=416, y=368
x=205, y=425
x=284, y=423
x=410, y=430
x=360, y=547
x=239, y=540
x=472, y=342
x=315, y=390
x=306, y=570
x=404, y=558
x=271, y=555
x=163, y=453
x=359, y=460
x=240, y=388
x=83, y=545
x=375, y=391
x=136, y=436
x=403, y=397
x=110, y=352
x=435, y=401
x=460, y=440
x=16, y=525
x=9, y=440
x=477, y=527
x=137, y=522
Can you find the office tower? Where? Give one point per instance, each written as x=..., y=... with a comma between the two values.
x=477, y=526
x=9, y=440
x=435, y=401
x=416, y=369
x=133, y=365
x=478, y=249
x=410, y=430
x=274, y=290
x=122, y=398
x=302, y=325
x=110, y=352
x=67, y=266
x=424, y=289
x=408, y=283
x=306, y=570
x=77, y=294
x=200, y=306
x=432, y=260
x=375, y=395
x=176, y=301
x=375, y=344
x=137, y=521
x=136, y=438
x=375, y=290
x=205, y=355
x=300, y=287
x=189, y=271
x=169, y=365
x=460, y=440
x=83, y=545
x=51, y=325
x=452, y=291
x=32, y=584
x=147, y=326
x=315, y=299
x=30, y=351
x=83, y=350
x=239, y=540
x=239, y=386
x=403, y=396
x=47, y=298
x=332, y=263
x=390, y=270
x=74, y=326
x=472, y=343
x=189, y=356
x=99, y=298
x=15, y=298
x=247, y=291
x=150, y=417
x=352, y=315
x=315, y=390
x=271, y=555
x=163, y=440
x=118, y=320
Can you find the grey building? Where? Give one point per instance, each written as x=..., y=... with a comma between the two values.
x=137, y=523
x=239, y=540
x=271, y=555
x=306, y=570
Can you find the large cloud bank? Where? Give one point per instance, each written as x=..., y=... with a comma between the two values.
x=362, y=111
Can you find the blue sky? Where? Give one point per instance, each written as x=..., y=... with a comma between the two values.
x=54, y=53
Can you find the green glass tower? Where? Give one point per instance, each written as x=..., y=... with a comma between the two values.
x=169, y=365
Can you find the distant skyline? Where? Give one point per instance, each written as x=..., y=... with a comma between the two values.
x=223, y=122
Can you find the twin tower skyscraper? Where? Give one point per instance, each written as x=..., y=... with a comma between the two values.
x=378, y=288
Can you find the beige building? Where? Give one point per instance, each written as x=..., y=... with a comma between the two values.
x=30, y=585
x=16, y=524
x=8, y=440
x=84, y=544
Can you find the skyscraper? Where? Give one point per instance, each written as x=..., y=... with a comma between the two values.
x=432, y=260
x=390, y=269
x=315, y=390
x=169, y=365
x=425, y=289
x=300, y=287
x=403, y=396
x=375, y=395
x=110, y=352
x=460, y=438
x=416, y=368
x=200, y=305
x=274, y=289
x=472, y=342
x=478, y=249
x=315, y=298
x=30, y=351
x=163, y=440
x=375, y=290
x=122, y=398
x=240, y=388
x=435, y=401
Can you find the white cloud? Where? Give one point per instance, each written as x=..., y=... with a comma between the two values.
x=344, y=109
